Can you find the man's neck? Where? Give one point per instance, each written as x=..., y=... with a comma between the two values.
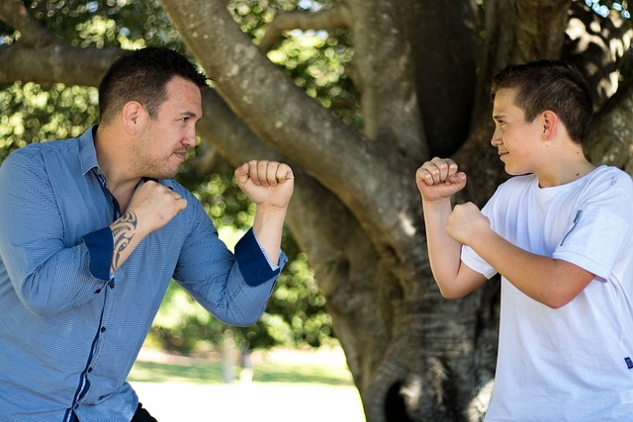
x=118, y=182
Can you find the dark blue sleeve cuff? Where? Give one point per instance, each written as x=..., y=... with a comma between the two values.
x=100, y=246
x=252, y=261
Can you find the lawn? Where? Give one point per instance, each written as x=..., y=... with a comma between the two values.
x=286, y=386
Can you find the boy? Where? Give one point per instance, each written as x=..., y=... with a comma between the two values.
x=559, y=235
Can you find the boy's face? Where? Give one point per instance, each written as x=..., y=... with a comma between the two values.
x=515, y=138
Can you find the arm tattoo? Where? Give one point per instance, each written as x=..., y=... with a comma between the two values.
x=123, y=231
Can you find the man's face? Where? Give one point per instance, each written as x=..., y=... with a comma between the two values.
x=163, y=144
x=514, y=137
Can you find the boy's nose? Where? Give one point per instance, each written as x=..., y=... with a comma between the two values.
x=496, y=139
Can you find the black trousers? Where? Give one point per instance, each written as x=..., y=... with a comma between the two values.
x=141, y=415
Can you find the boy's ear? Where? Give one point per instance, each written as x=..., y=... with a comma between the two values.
x=549, y=123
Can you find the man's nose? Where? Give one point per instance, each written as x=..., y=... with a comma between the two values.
x=190, y=138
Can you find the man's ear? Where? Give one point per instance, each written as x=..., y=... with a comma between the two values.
x=134, y=116
x=549, y=124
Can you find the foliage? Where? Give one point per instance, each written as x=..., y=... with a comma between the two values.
x=31, y=112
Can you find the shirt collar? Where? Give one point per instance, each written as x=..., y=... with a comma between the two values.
x=87, y=152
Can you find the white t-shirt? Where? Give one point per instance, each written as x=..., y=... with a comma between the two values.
x=574, y=363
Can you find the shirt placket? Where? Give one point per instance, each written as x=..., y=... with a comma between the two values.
x=85, y=382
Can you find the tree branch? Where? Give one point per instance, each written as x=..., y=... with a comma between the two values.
x=282, y=115
x=444, y=80
x=40, y=57
x=385, y=75
x=14, y=14
x=327, y=19
x=313, y=207
x=55, y=63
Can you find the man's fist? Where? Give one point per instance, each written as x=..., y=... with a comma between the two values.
x=266, y=183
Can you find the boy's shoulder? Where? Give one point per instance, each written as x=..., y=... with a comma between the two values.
x=611, y=176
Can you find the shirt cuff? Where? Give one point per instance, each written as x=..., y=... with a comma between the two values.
x=100, y=246
x=253, y=262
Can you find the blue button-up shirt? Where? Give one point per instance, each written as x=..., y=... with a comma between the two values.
x=70, y=330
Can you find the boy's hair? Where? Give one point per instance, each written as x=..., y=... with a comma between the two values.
x=549, y=85
x=142, y=76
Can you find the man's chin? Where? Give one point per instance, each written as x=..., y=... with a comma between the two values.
x=165, y=174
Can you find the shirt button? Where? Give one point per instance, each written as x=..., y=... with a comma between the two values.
x=112, y=284
x=103, y=329
x=90, y=369
x=97, y=291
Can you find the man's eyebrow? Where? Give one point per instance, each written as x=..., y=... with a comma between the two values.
x=498, y=117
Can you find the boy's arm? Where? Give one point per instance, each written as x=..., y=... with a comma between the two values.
x=552, y=282
x=437, y=181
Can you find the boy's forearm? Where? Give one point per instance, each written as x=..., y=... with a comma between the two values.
x=444, y=252
x=549, y=281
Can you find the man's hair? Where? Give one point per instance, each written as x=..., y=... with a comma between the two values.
x=142, y=75
x=549, y=85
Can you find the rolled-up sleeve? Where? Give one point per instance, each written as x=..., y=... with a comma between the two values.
x=254, y=265
x=100, y=246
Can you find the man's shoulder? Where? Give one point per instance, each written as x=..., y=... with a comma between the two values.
x=46, y=147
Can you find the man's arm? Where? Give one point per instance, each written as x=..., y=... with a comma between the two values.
x=236, y=290
x=552, y=282
x=152, y=206
x=269, y=185
x=437, y=181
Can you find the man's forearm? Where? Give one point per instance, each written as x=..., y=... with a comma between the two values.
x=268, y=228
x=126, y=238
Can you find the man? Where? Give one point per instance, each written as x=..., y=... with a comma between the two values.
x=560, y=235
x=92, y=230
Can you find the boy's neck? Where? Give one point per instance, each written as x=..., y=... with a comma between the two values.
x=566, y=172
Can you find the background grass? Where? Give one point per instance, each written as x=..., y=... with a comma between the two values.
x=197, y=372
x=287, y=386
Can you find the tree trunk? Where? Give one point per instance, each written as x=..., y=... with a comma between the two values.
x=423, y=73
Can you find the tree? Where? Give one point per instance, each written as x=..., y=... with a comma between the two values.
x=422, y=72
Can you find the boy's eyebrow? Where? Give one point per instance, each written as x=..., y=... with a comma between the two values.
x=191, y=114
x=498, y=116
